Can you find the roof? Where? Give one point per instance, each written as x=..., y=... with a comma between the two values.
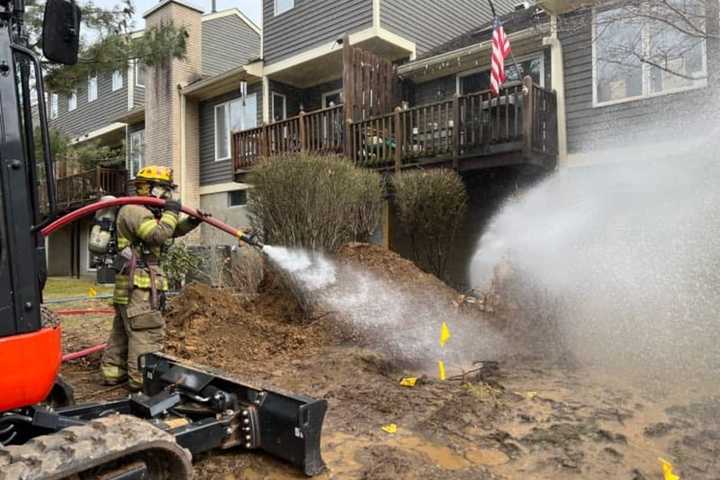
x=513, y=22
x=165, y=2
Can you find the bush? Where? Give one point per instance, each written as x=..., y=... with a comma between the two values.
x=430, y=206
x=316, y=202
x=178, y=261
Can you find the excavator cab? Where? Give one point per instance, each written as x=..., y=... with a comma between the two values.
x=183, y=410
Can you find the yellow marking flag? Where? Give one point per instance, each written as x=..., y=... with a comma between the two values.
x=408, y=381
x=441, y=370
x=390, y=428
x=444, y=334
x=92, y=292
x=667, y=469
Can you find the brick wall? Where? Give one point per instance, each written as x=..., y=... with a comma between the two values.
x=163, y=144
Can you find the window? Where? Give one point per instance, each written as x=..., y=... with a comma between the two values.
x=333, y=98
x=117, y=80
x=233, y=115
x=479, y=80
x=282, y=6
x=635, y=56
x=136, y=152
x=53, y=106
x=139, y=68
x=279, y=107
x=72, y=101
x=92, y=88
x=238, y=198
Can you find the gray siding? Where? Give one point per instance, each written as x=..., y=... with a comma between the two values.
x=219, y=34
x=430, y=23
x=93, y=115
x=311, y=23
x=294, y=97
x=211, y=171
x=598, y=128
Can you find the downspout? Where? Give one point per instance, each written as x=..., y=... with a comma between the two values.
x=557, y=68
x=183, y=147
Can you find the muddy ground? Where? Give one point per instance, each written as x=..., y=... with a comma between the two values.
x=522, y=417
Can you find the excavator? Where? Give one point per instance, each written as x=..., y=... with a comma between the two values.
x=183, y=410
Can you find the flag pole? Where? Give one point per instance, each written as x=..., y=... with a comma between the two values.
x=512, y=54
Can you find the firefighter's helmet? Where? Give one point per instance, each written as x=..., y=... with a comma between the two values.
x=157, y=175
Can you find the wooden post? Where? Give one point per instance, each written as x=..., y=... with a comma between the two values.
x=399, y=140
x=456, y=131
x=98, y=180
x=303, y=135
x=528, y=115
x=348, y=92
x=265, y=142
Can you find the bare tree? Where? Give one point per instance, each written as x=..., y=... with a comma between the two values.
x=658, y=44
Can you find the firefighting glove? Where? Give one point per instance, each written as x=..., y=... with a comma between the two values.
x=173, y=206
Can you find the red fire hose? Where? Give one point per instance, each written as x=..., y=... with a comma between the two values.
x=116, y=202
x=147, y=201
x=69, y=357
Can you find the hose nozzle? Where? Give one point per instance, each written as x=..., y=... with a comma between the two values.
x=251, y=240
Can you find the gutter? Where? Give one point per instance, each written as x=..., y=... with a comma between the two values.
x=420, y=65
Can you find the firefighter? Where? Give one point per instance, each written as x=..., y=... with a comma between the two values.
x=142, y=233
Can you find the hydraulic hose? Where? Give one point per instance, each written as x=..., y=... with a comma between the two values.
x=148, y=202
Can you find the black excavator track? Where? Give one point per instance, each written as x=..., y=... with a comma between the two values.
x=108, y=448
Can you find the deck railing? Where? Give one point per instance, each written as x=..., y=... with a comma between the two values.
x=521, y=118
x=321, y=131
x=90, y=185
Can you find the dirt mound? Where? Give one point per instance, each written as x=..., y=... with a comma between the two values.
x=393, y=268
x=218, y=327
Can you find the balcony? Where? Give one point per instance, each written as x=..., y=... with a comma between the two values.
x=468, y=132
x=75, y=190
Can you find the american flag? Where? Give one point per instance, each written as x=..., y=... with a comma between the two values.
x=500, y=51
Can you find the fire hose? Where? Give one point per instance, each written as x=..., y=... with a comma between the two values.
x=148, y=202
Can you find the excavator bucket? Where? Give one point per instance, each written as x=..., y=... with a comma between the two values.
x=210, y=410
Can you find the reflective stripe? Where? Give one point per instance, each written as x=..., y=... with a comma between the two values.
x=146, y=228
x=113, y=372
x=121, y=292
x=123, y=243
x=170, y=219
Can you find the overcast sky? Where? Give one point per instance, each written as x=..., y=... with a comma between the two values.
x=251, y=8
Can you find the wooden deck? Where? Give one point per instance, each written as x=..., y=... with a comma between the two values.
x=81, y=188
x=466, y=133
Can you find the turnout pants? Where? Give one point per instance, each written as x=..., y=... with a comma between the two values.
x=136, y=329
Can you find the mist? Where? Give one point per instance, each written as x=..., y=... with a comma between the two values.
x=401, y=321
x=630, y=248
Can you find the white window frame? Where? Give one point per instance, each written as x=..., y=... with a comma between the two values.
x=132, y=174
x=646, y=68
x=531, y=56
x=272, y=106
x=117, y=80
x=72, y=99
x=54, y=106
x=136, y=68
x=332, y=92
x=230, y=192
x=280, y=12
x=225, y=105
x=92, y=86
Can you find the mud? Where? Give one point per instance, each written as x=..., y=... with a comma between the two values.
x=513, y=418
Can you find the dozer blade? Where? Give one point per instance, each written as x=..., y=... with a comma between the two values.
x=284, y=425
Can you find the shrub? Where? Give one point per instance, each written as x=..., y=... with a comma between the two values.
x=430, y=207
x=316, y=202
x=177, y=262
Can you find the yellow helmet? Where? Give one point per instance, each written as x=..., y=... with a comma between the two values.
x=156, y=174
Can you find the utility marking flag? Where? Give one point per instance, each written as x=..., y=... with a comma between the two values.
x=444, y=334
x=390, y=428
x=500, y=51
x=667, y=469
x=92, y=293
x=408, y=381
x=441, y=370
